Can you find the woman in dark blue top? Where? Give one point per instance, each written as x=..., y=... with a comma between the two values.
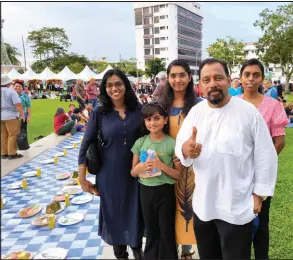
x=120, y=219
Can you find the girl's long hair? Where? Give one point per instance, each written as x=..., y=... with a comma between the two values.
x=190, y=95
x=59, y=111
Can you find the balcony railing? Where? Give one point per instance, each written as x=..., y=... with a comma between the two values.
x=148, y=14
x=148, y=25
x=148, y=36
x=149, y=56
x=148, y=46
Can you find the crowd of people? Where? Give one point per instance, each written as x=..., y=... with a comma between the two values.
x=186, y=165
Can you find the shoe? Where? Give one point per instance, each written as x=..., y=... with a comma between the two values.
x=4, y=156
x=138, y=254
x=15, y=156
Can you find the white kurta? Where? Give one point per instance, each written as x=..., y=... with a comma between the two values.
x=238, y=158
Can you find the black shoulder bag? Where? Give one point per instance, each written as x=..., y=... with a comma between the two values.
x=94, y=154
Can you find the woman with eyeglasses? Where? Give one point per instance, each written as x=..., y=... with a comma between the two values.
x=252, y=76
x=179, y=98
x=120, y=218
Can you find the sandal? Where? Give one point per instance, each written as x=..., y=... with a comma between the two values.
x=187, y=255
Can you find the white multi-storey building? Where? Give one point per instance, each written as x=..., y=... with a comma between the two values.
x=274, y=70
x=168, y=30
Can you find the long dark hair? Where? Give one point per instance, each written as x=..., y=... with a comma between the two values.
x=148, y=110
x=189, y=97
x=130, y=99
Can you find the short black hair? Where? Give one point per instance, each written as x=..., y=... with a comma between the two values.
x=209, y=61
x=253, y=62
x=76, y=110
x=130, y=98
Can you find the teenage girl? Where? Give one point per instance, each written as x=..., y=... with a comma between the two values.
x=158, y=172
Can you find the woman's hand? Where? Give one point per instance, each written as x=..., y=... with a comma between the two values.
x=177, y=163
x=87, y=186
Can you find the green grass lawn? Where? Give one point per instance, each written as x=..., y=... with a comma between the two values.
x=43, y=111
x=281, y=217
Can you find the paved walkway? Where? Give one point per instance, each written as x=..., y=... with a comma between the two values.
x=81, y=240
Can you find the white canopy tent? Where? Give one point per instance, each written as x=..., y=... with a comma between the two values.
x=47, y=74
x=66, y=74
x=29, y=75
x=101, y=75
x=86, y=74
x=14, y=74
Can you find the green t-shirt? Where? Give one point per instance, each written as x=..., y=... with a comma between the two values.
x=165, y=151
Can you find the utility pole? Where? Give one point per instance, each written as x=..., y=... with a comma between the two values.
x=23, y=52
x=120, y=60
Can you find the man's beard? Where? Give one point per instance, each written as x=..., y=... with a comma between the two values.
x=219, y=99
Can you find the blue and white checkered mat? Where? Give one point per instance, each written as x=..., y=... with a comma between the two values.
x=17, y=234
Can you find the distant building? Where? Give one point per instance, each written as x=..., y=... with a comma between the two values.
x=273, y=70
x=168, y=30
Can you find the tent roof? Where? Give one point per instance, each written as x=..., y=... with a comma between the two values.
x=101, y=75
x=47, y=74
x=86, y=74
x=14, y=74
x=29, y=74
x=66, y=74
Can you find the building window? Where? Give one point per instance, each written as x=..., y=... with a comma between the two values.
x=156, y=8
x=147, y=41
x=146, y=10
x=163, y=49
x=162, y=6
x=189, y=43
x=147, y=52
x=162, y=17
x=189, y=14
x=163, y=38
x=156, y=19
x=138, y=16
x=163, y=59
x=189, y=53
x=146, y=21
x=157, y=40
x=189, y=24
x=162, y=28
x=189, y=33
x=157, y=51
x=246, y=52
x=147, y=31
x=157, y=30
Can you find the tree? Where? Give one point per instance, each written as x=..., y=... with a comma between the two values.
x=74, y=61
x=229, y=50
x=276, y=44
x=154, y=66
x=12, y=53
x=48, y=42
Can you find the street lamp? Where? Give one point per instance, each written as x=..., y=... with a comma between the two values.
x=199, y=51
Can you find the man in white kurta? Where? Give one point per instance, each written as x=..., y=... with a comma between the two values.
x=232, y=153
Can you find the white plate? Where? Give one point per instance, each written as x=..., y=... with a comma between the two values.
x=60, y=154
x=70, y=219
x=15, y=185
x=52, y=253
x=49, y=161
x=75, y=142
x=72, y=190
x=60, y=210
x=82, y=199
x=68, y=147
x=30, y=174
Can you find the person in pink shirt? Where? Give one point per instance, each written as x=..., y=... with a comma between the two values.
x=252, y=76
x=92, y=92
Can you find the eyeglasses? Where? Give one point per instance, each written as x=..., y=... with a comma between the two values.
x=118, y=84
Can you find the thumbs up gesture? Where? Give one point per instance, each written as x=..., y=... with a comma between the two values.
x=190, y=148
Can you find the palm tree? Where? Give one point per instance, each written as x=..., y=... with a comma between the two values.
x=12, y=53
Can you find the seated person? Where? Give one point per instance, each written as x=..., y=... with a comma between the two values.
x=77, y=117
x=88, y=110
x=71, y=109
x=63, y=125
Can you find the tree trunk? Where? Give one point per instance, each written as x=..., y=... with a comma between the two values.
x=287, y=85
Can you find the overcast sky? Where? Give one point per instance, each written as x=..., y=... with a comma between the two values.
x=107, y=29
